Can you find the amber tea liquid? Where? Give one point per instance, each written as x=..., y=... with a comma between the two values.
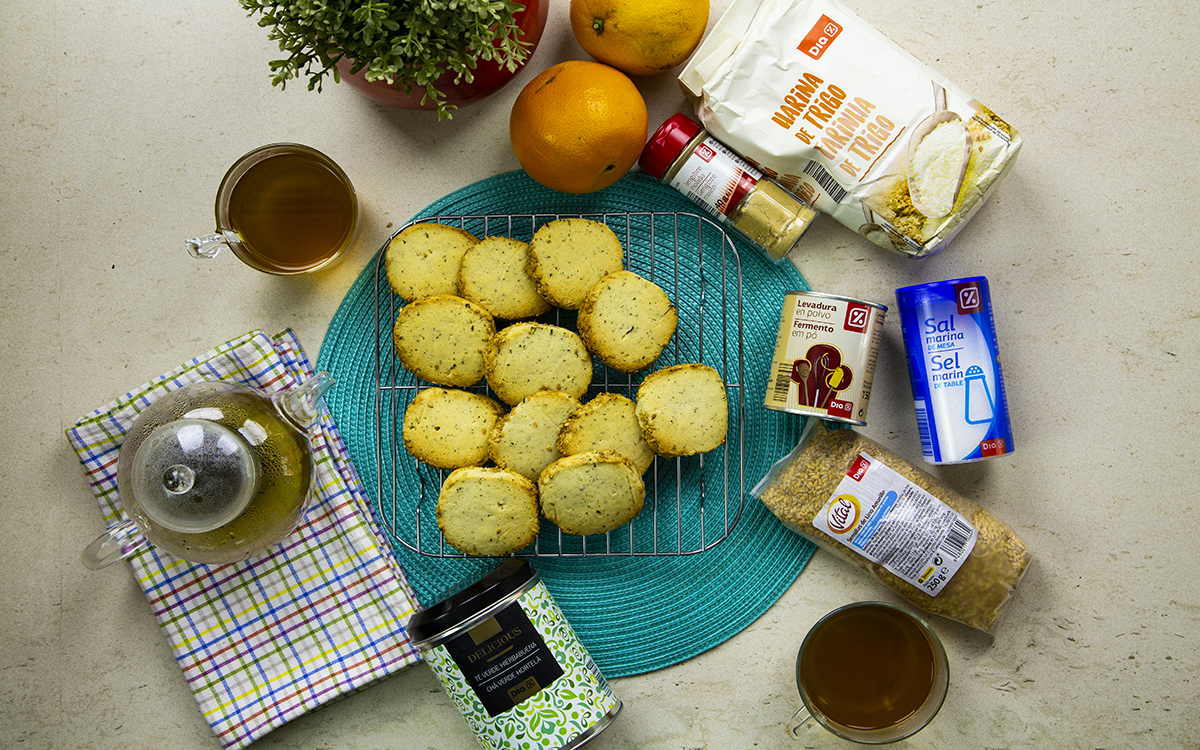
x=292, y=208
x=867, y=668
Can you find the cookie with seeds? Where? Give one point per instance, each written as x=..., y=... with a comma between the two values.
x=609, y=421
x=591, y=493
x=423, y=260
x=488, y=511
x=683, y=410
x=525, y=440
x=525, y=358
x=443, y=339
x=568, y=256
x=626, y=321
x=449, y=428
x=493, y=276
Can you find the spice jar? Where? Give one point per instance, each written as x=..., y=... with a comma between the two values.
x=683, y=155
x=511, y=662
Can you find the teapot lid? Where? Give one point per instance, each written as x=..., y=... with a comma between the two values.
x=192, y=475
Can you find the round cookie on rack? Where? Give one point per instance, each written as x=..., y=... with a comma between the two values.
x=608, y=421
x=525, y=358
x=443, y=338
x=525, y=439
x=683, y=410
x=423, y=260
x=488, y=511
x=493, y=276
x=626, y=321
x=568, y=256
x=449, y=428
x=591, y=493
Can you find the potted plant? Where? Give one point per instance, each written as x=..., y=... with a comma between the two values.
x=416, y=54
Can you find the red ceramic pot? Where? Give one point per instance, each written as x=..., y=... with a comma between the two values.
x=490, y=76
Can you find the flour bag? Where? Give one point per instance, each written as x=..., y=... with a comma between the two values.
x=848, y=121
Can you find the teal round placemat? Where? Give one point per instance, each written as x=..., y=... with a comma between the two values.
x=634, y=613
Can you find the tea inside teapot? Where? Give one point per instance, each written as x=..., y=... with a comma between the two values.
x=214, y=472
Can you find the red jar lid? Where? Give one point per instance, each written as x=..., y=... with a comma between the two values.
x=667, y=143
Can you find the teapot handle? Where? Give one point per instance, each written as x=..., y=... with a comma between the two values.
x=117, y=543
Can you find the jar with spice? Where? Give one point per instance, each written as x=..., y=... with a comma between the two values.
x=683, y=155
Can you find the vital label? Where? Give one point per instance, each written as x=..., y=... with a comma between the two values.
x=825, y=355
x=504, y=660
x=887, y=519
x=716, y=178
x=954, y=366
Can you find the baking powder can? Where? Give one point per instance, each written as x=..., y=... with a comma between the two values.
x=954, y=365
x=825, y=356
x=513, y=665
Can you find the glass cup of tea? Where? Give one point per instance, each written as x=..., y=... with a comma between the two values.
x=283, y=209
x=869, y=672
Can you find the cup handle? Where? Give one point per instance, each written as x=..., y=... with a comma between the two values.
x=801, y=724
x=117, y=543
x=209, y=245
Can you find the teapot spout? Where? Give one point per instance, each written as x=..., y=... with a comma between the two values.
x=300, y=405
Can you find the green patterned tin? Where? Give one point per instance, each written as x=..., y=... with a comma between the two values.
x=513, y=665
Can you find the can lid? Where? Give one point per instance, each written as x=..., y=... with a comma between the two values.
x=508, y=578
x=938, y=285
x=667, y=143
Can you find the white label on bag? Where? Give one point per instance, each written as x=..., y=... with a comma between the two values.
x=887, y=519
x=716, y=178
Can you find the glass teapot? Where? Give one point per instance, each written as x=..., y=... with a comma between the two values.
x=214, y=472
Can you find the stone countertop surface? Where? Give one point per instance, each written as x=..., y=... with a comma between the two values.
x=120, y=119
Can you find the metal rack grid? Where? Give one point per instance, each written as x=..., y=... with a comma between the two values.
x=692, y=503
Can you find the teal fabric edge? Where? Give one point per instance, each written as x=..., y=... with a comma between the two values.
x=634, y=614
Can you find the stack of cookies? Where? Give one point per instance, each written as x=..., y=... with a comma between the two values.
x=534, y=447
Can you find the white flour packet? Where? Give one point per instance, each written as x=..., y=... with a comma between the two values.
x=848, y=121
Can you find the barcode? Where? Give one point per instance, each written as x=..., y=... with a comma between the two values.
x=923, y=428
x=783, y=382
x=826, y=181
x=600, y=681
x=957, y=538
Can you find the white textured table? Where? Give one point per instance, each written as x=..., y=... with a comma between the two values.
x=120, y=118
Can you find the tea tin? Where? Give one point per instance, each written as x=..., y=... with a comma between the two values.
x=511, y=662
x=825, y=355
x=954, y=365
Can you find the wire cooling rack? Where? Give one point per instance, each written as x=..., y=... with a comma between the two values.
x=692, y=503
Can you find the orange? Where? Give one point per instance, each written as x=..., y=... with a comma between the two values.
x=578, y=126
x=639, y=37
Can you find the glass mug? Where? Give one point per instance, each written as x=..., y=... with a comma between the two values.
x=869, y=672
x=283, y=209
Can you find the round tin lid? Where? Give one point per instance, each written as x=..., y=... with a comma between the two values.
x=510, y=577
x=664, y=147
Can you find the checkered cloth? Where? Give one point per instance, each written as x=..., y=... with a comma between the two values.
x=265, y=640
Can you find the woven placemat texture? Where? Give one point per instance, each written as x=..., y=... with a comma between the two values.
x=634, y=614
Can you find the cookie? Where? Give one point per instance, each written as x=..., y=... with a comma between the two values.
x=683, y=410
x=443, y=338
x=449, y=429
x=488, y=511
x=568, y=256
x=492, y=275
x=626, y=321
x=423, y=260
x=525, y=358
x=591, y=493
x=526, y=439
x=608, y=421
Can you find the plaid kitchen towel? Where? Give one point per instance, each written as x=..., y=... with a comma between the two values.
x=268, y=639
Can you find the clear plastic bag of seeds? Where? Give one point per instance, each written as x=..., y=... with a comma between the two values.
x=941, y=551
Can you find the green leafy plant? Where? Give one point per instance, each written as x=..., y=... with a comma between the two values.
x=410, y=43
